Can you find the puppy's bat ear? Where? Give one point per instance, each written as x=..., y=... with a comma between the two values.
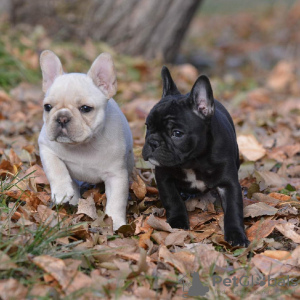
x=51, y=68
x=169, y=86
x=103, y=74
x=202, y=98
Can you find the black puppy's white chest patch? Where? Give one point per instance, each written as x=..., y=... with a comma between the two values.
x=194, y=182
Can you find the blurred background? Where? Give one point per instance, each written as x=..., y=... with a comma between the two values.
x=250, y=50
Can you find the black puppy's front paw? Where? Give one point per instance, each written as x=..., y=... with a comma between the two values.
x=236, y=238
x=181, y=222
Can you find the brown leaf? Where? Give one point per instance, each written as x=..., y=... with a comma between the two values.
x=48, y=216
x=259, y=209
x=87, y=207
x=40, y=290
x=287, y=229
x=65, y=272
x=265, y=198
x=261, y=229
x=139, y=188
x=286, y=209
x=12, y=289
x=30, y=197
x=141, y=224
x=277, y=254
x=14, y=158
x=250, y=148
x=152, y=190
x=207, y=232
x=190, y=261
x=5, y=262
x=280, y=197
x=166, y=256
x=159, y=224
x=207, y=256
x=271, y=266
x=197, y=219
x=144, y=293
x=38, y=174
x=282, y=76
x=127, y=229
x=160, y=236
x=145, y=237
x=6, y=167
x=269, y=179
x=176, y=238
x=132, y=256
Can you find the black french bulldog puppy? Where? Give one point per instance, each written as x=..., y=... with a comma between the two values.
x=191, y=141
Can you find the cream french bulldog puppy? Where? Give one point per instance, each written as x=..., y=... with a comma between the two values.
x=85, y=135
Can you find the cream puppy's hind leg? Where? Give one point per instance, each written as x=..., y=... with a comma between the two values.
x=116, y=188
x=63, y=188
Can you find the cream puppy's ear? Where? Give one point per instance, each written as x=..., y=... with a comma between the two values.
x=103, y=74
x=51, y=68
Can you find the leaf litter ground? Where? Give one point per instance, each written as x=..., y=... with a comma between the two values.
x=70, y=252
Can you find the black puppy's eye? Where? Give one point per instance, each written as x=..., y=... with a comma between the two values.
x=177, y=134
x=85, y=108
x=47, y=107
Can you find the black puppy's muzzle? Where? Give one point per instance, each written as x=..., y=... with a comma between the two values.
x=149, y=147
x=153, y=144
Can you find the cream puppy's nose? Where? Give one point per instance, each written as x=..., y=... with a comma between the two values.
x=63, y=120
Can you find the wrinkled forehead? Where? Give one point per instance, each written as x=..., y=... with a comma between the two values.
x=69, y=85
x=168, y=108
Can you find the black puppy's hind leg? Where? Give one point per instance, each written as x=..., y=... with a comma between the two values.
x=176, y=211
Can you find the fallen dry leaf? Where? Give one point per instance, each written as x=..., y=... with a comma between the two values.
x=277, y=254
x=206, y=255
x=5, y=262
x=139, y=188
x=280, y=197
x=48, y=216
x=143, y=238
x=261, y=229
x=87, y=207
x=166, y=256
x=274, y=267
x=12, y=289
x=282, y=76
x=38, y=174
x=176, y=238
x=159, y=224
x=265, y=198
x=287, y=229
x=269, y=179
x=31, y=198
x=207, y=232
x=64, y=271
x=250, y=148
x=197, y=219
x=259, y=209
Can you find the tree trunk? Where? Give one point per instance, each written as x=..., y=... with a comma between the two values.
x=136, y=27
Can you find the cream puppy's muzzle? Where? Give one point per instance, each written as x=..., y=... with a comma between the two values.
x=63, y=127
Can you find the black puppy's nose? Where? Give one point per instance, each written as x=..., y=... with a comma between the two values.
x=63, y=120
x=154, y=144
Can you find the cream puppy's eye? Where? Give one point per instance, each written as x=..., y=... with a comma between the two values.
x=47, y=107
x=85, y=108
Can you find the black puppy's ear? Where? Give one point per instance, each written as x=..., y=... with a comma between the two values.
x=169, y=86
x=203, y=98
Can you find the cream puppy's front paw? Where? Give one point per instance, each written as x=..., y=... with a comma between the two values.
x=63, y=194
x=117, y=222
